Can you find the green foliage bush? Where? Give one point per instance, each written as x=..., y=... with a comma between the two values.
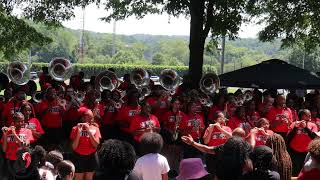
x=121, y=69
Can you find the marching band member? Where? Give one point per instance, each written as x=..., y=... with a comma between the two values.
x=31, y=122
x=280, y=116
x=15, y=137
x=193, y=124
x=259, y=135
x=302, y=133
x=85, y=138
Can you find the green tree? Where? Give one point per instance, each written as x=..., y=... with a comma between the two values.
x=217, y=17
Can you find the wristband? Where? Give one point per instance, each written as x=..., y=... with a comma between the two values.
x=192, y=143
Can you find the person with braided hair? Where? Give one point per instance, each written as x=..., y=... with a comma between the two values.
x=283, y=164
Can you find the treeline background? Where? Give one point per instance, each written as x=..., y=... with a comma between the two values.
x=144, y=49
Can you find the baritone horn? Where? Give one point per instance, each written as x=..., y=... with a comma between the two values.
x=60, y=69
x=106, y=80
x=209, y=83
x=170, y=80
x=18, y=73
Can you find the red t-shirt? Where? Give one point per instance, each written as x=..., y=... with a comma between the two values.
x=13, y=146
x=125, y=115
x=53, y=117
x=110, y=113
x=34, y=124
x=161, y=109
x=261, y=138
x=301, y=140
x=71, y=115
x=193, y=123
x=316, y=121
x=169, y=119
x=217, y=137
x=140, y=122
x=312, y=174
x=85, y=146
x=280, y=114
x=9, y=110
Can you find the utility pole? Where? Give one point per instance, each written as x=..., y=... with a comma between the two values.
x=222, y=52
x=114, y=39
x=81, y=43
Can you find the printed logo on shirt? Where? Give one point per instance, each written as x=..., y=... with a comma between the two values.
x=10, y=138
x=262, y=138
x=110, y=109
x=55, y=109
x=174, y=118
x=85, y=133
x=132, y=113
x=146, y=124
x=31, y=126
x=301, y=131
x=218, y=135
x=195, y=123
x=282, y=117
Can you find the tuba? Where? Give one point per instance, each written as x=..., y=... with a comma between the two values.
x=209, y=83
x=170, y=80
x=140, y=78
x=106, y=80
x=18, y=73
x=37, y=96
x=60, y=69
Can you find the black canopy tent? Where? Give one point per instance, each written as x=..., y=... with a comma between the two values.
x=274, y=73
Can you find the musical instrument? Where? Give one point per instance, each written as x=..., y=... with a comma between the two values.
x=209, y=83
x=60, y=69
x=170, y=80
x=18, y=73
x=37, y=96
x=106, y=80
x=80, y=96
x=175, y=134
x=140, y=78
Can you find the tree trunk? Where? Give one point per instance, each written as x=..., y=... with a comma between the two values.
x=197, y=41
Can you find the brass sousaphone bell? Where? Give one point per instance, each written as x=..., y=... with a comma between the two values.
x=18, y=73
x=106, y=80
x=209, y=83
x=141, y=79
x=60, y=69
x=170, y=80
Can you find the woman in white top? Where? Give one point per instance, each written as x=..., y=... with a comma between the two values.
x=152, y=166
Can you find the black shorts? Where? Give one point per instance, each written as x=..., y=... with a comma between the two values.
x=85, y=163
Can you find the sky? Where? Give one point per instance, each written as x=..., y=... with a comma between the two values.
x=151, y=24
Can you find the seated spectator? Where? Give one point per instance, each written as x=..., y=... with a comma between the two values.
x=151, y=166
x=192, y=168
x=262, y=162
x=311, y=169
x=66, y=170
x=117, y=159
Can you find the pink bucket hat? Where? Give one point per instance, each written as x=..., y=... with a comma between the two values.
x=191, y=168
